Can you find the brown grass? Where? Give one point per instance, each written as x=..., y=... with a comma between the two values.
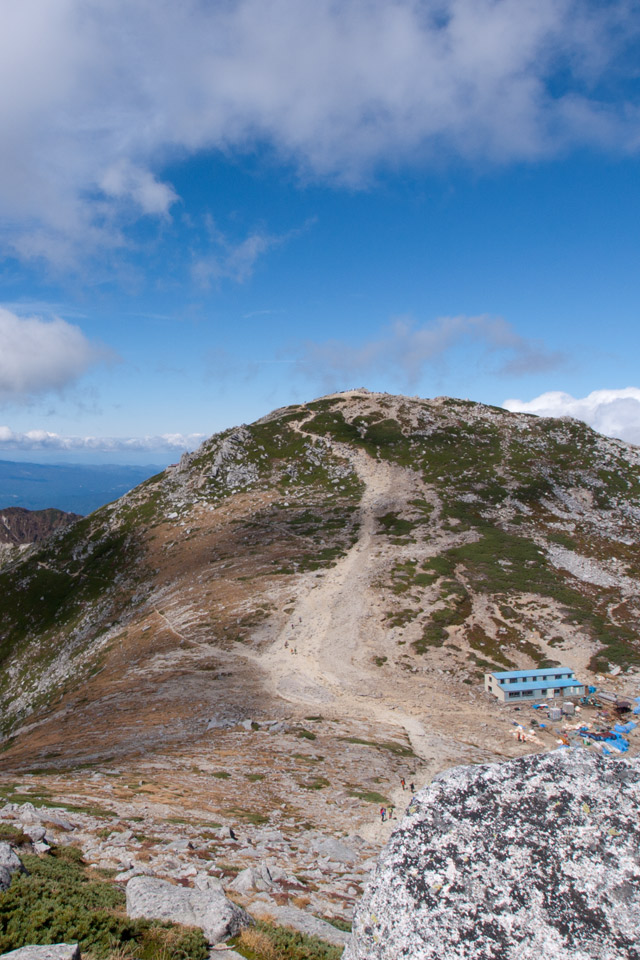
x=259, y=944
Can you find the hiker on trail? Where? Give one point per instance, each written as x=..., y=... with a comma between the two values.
x=402, y=781
x=391, y=809
x=382, y=814
x=413, y=789
x=286, y=643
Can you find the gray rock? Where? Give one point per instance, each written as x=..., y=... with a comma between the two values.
x=10, y=863
x=209, y=909
x=35, y=831
x=180, y=846
x=251, y=879
x=535, y=857
x=336, y=850
x=52, y=951
x=205, y=882
x=57, y=821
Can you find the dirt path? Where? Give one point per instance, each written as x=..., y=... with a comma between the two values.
x=324, y=656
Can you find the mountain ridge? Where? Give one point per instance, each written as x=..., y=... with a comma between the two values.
x=477, y=509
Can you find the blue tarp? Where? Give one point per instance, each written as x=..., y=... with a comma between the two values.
x=618, y=742
x=625, y=727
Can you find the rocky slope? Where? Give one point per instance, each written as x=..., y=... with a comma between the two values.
x=269, y=635
x=535, y=857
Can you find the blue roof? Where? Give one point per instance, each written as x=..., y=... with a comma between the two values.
x=542, y=685
x=543, y=672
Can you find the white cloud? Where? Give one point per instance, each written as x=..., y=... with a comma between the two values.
x=615, y=413
x=231, y=261
x=40, y=356
x=45, y=440
x=405, y=350
x=123, y=181
x=97, y=96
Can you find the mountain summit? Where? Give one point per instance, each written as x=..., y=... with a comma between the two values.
x=361, y=556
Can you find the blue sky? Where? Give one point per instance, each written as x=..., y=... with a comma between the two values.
x=211, y=209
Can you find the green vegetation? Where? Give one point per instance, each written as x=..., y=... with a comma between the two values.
x=336, y=922
x=398, y=749
x=392, y=524
x=369, y=796
x=42, y=798
x=305, y=734
x=59, y=900
x=13, y=835
x=318, y=783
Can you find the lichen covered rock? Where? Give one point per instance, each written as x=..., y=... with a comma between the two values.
x=535, y=857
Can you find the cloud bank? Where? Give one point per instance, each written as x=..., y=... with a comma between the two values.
x=45, y=440
x=40, y=356
x=98, y=96
x=404, y=351
x=615, y=413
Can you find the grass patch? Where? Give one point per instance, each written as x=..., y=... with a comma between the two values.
x=336, y=922
x=265, y=941
x=305, y=734
x=369, y=796
x=318, y=783
x=13, y=835
x=398, y=749
x=394, y=525
x=43, y=799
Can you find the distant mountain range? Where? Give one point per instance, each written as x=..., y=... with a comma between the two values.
x=74, y=488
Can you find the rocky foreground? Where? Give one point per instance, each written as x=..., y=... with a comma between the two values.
x=537, y=857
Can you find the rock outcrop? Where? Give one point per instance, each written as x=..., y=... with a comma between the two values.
x=10, y=863
x=535, y=857
x=208, y=909
x=20, y=526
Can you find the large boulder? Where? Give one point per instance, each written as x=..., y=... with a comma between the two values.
x=52, y=951
x=208, y=909
x=10, y=863
x=535, y=857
